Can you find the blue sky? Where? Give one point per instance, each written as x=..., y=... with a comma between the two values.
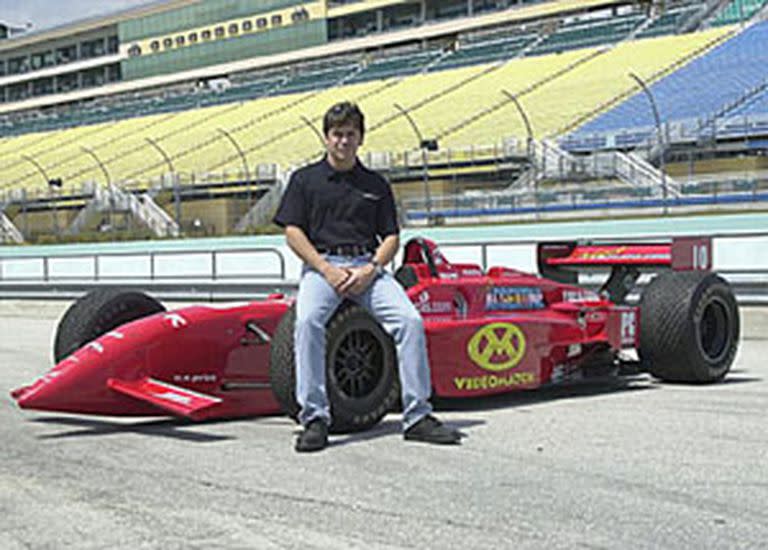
x=50, y=13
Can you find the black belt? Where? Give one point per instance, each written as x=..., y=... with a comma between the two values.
x=346, y=250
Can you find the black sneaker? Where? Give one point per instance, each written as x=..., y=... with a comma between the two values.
x=313, y=438
x=430, y=430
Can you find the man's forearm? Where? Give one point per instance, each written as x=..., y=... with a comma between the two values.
x=298, y=242
x=387, y=249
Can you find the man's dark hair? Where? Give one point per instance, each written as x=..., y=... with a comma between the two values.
x=344, y=113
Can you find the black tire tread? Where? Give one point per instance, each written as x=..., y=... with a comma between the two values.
x=283, y=379
x=98, y=312
x=667, y=326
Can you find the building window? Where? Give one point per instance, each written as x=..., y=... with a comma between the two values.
x=206, y=34
x=219, y=32
x=277, y=20
x=167, y=42
x=67, y=54
x=17, y=92
x=36, y=61
x=42, y=86
x=113, y=44
x=233, y=29
x=180, y=40
x=113, y=73
x=134, y=51
x=18, y=65
x=192, y=38
x=154, y=45
x=93, y=77
x=66, y=82
x=92, y=48
x=300, y=15
x=261, y=22
x=247, y=25
x=2, y=68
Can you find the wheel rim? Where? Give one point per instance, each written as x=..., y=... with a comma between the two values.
x=358, y=364
x=715, y=330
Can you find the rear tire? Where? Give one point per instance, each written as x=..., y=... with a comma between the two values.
x=361, y=369
x=689, y=327
x=97, y=313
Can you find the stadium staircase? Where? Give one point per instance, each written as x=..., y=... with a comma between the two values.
x=113, y=200
x=261, y=213
x=9, y=233
x=553, y=164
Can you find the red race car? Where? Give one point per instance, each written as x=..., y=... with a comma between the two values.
x=118, y=352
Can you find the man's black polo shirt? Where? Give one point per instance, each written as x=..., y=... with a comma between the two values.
x=333, y=208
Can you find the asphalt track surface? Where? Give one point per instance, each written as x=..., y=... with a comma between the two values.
x=610, y=464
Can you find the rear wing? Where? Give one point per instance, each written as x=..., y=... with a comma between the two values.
x=562, y=261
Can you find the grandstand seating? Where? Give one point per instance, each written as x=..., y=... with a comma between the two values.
x=596, y=81
x=461, y=107
x=400, y=65
x=691, y=93
x=669, y=22
x=738, y=11
x=757, y=105
x=584, y=34
x=473, y=47
x=473, y=53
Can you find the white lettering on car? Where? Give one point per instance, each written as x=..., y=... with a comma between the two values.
x=176, y=320
x=628, y=327
x=96, y=346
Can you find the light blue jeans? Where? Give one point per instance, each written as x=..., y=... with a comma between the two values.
x=386, y=300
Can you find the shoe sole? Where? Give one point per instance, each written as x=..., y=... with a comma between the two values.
x=447, y=441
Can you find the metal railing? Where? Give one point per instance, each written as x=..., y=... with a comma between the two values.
x=243, y=273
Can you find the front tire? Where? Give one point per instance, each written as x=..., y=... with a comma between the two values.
x=98, y=312
x=689, y=327
x=361, y=368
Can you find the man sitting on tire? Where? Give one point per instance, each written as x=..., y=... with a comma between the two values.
x=340, y=220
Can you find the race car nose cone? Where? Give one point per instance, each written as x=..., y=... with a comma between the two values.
x=43, y=394
x=18, y=392
x=30, y=397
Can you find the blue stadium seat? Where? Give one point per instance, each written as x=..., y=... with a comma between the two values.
x=697, y=91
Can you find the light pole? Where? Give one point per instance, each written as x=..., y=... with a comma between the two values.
x=104, y=170
x=529, y=148
x=176, y=194
x=244, y=160
x=526, y=121
x=98, y=162
x=51, y=184
x=659, y=133
x=424, y=145
x=314, y=129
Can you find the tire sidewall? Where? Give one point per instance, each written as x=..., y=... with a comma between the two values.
x=714, y=289
x=347, y=414
x=672, y=310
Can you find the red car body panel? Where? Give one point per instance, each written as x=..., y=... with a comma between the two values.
x=499, y=331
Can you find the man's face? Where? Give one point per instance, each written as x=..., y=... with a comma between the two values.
x=342, y=143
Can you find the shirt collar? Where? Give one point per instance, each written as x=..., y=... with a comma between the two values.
x=333, y=175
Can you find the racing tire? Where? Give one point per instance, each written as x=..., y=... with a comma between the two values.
x=689, y=327
x=97, y=313
x=361, y=369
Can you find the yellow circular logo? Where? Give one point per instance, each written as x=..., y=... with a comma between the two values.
x=497, y=347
